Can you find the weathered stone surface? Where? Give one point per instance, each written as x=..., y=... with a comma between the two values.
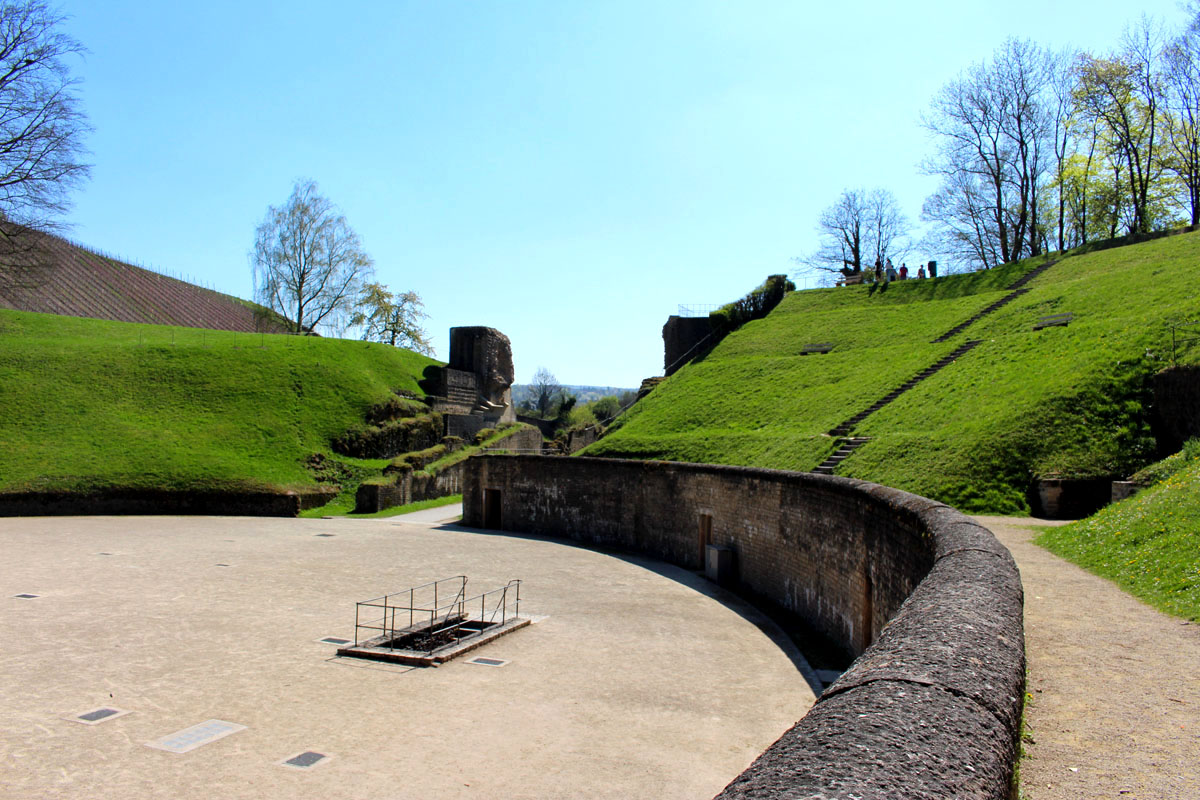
x=930, y=709
x=1176, y=413
x=961, y=630
x=478, y=378
x=487, y=353
x=162, y=501
x=682, y=337
x=887, y=740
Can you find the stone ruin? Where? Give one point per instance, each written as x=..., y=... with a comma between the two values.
x=474, y=390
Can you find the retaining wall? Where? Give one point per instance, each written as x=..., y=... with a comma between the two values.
x=155, y=501
x=928, y=599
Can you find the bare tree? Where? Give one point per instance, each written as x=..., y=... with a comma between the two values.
x=393, y=319
x=41, y=124
x=1183, y=80
x=546, y=389
x=858, y=229
x=963, y=225
x=308, y=263
x=993, y=126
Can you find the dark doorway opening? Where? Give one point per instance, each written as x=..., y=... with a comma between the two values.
x=491, y=509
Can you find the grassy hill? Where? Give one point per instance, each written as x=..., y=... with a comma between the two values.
x=1146, y=544
x=1068, y=402
x=99, y=404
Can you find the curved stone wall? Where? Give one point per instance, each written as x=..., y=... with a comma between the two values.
x=928, y=599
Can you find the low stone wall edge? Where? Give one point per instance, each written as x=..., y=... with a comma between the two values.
x=935, y=699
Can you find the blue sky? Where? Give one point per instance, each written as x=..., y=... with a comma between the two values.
x=566, y=172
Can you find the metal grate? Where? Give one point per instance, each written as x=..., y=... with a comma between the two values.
x=304, y=760
x=325, y=534
x=97, y=715
x=189, y=739
x=26, y=596
x=488, y=662
x=222, y=565
x=334, y=640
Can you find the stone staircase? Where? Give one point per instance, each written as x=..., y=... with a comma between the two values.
x=1033, y=273
x=1015, y=290
x=848, y=444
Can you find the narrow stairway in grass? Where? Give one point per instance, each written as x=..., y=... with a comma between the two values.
x=848, y=444
x=1015, y=290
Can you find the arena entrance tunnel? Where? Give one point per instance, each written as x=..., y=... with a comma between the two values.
x=927, y=599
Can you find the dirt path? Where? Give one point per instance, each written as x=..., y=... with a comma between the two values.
x=1115, y=684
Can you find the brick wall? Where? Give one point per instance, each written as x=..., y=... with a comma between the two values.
x=928, y=599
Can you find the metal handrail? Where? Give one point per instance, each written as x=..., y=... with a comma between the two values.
x=445, y=618
x=1176, y=340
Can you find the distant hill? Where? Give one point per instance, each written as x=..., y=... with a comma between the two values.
x=48, y=274
x=583, y=394
x=1023, y=405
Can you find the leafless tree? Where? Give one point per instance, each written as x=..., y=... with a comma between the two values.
x=963, y=225
x=545, y=390
x=308, y=264
x=1182, y=59
x=994, y=126
x=41, y=124
x=860, y=228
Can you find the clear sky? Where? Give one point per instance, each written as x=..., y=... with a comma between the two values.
x=568, y=172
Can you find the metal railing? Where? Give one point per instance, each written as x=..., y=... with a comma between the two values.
x=422, y=619
x=700, y=310
x=1177, y=339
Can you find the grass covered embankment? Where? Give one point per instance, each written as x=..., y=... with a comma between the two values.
x=92, y=405
x=1146, y=544
x=1061, y=402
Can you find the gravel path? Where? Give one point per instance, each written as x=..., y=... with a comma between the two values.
x=1115, y=684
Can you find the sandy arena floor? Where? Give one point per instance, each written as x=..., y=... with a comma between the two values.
x=637, y=680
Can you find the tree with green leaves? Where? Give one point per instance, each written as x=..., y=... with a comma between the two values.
x=391, y=318
x=1124, y=94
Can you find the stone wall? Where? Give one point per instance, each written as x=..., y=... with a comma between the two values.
x=680, y=337
x=410, y=487
x=155, y=501
x=929, y=601
x=1176, y=415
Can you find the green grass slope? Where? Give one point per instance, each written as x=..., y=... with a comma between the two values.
x=94, y=404
x=1146, y=544
x=1064, y=402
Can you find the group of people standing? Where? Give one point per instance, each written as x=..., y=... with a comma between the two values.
x=889, y=272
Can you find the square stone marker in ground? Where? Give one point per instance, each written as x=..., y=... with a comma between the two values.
x=98, y=715
x=305, y=760
x=189, y=739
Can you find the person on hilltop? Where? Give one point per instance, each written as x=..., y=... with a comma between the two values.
x=904, y=272
x=932, y=269
x=891, y=271
x=878, y=271
x=921, y=272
